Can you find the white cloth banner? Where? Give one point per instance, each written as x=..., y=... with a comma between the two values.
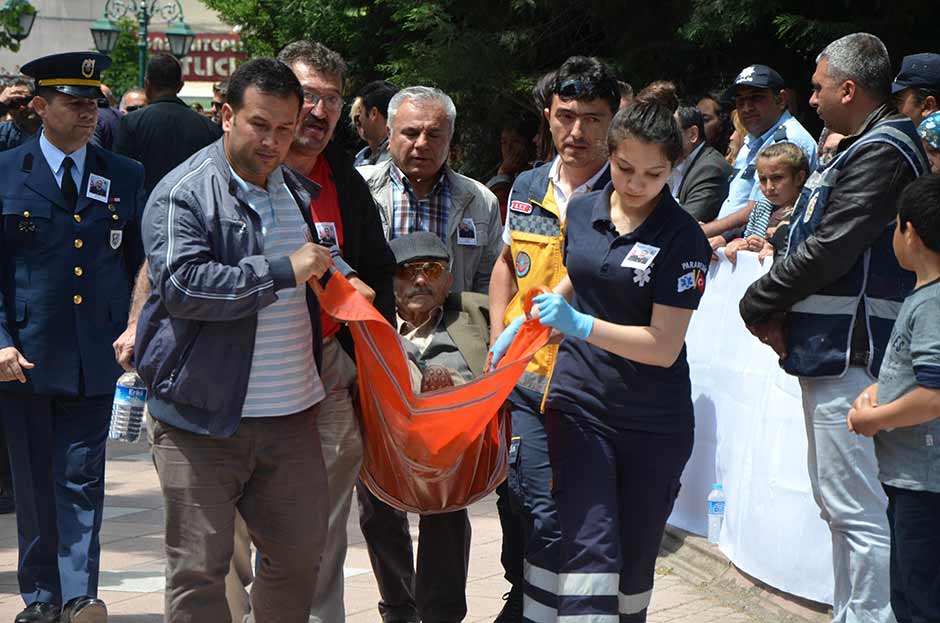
x=750, y=436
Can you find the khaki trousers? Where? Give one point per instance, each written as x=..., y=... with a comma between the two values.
x=271, y=471
x=341, y=443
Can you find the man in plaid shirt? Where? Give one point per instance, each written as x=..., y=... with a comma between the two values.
x=417, y=191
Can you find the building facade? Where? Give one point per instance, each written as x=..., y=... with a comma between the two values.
x=65, y=25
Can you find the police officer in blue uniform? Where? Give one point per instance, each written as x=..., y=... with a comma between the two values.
x=69, y=250
x=762, y=108
x=619, y=412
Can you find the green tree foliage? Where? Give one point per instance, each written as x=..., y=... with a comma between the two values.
x=123, y=72
x=487, y=54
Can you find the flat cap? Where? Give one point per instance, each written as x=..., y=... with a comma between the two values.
x=418, y=245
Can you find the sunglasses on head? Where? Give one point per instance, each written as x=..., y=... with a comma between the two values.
x=574, y=88
x=431, y=270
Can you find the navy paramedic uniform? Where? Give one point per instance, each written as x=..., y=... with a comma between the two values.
x=69, y=250
x=535, y=229
x=620, y=432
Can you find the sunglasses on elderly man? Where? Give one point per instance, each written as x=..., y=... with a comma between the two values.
x=431, y=270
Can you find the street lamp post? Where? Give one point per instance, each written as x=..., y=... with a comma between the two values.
x=25, y=14
x=179, y=34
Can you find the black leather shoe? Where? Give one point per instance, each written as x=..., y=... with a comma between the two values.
x=84, y=610
x=38, y=612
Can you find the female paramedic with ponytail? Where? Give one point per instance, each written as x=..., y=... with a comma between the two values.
x=619, y=409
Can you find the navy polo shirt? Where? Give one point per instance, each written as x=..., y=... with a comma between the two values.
x=602, y=387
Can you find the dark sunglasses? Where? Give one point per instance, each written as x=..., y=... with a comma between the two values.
x=132, y=108
x=217, y=104
x=575, y=88
x=431, y=270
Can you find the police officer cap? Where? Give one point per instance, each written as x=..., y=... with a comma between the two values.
x=921, y=71
x=72, y=73
x=418, y=245
x=757, y=76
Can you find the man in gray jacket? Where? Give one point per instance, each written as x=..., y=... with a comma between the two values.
x=229, y=346
x=699, y=181
x=417, y=191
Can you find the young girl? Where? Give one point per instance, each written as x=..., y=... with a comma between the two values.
x=619, y=409
x=782, y=169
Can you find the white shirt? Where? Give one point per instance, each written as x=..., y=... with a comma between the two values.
x=561, y=199
x=678, y=173
x=54, y=157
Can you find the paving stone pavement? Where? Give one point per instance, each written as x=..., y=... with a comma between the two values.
x=131, y=580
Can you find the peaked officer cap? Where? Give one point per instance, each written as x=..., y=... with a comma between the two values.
x=72, y=73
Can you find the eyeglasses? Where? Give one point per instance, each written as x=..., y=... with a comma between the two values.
x=330, y=102
x=431, y=270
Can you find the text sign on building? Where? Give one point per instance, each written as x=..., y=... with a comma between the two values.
x=212, y=58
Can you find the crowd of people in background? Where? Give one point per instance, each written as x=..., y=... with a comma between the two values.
x=614, y=202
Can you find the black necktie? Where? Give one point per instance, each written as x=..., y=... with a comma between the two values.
x=69, y=191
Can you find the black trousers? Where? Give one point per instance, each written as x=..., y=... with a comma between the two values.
x=914, y=518
x=512, y=553
x=437, y=591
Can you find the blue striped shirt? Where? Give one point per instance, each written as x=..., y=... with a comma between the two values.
x=759, y=219
x=284, y=378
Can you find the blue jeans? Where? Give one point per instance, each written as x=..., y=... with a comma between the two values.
x=914, y=517
x=843, y=472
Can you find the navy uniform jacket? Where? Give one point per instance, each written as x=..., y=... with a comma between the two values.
x=66, y=279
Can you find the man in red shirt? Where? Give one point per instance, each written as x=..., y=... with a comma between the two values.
x=345, y=214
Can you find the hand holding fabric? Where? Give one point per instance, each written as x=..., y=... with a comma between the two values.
x=501, y=345
x=555, y=312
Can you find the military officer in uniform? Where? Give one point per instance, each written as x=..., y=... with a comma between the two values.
x=69, y=250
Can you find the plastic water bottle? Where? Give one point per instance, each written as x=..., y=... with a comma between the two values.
x=127, y=411
x=716, y=512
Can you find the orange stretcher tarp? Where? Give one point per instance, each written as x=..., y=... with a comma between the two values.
x=434, y=452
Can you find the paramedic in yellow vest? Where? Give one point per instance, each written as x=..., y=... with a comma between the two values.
x=585, y=97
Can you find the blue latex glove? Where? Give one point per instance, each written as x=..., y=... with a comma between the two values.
x=501, y=345
x=557, y=313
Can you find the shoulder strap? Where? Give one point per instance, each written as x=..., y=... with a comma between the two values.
x=893, y=133
x=538, y=182
x=780, y=134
